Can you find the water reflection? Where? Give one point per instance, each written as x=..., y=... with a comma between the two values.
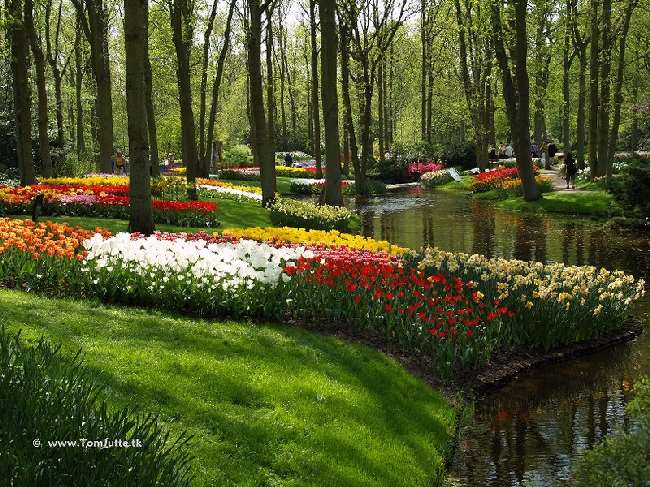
x=529, y=432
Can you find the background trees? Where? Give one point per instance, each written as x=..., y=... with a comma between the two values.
x=418, y=77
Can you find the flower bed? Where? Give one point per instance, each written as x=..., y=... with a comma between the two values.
x=103, y=202
x=318, y=238
x=420, y=303
x=253, y=173
x=506, y=178
x=556, y=304
x=314, y=186
x=421, y=168
x=435, y=178
x=303, y=214
x=229, y=190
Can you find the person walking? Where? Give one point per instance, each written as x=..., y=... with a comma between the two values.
x=120, y=163
x=571, y=170
x=552, y=150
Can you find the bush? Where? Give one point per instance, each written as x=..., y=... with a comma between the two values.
x=463, y=155
x=624, y=459
x=47, y=397
x=631, y=189
x=303, y=214
x=238, y=155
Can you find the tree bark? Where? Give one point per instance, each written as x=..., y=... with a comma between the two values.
x=618, y=85
x=423, y=70
x=567, y=59
x=594, y=55
x=329, y=94
x=135, y=41
x=53, y=55
x=516, y=91
x=347, y=101
x=261, y=139
x=315, y=90
x=270, y=79
x=182, y=34
x=581, y=128
x=154, y=158
x=204, y=163
x=95, y=26
x=78, y=82
x=19, y=40
x=41, y=89
x=216, y=84
x=605, y=87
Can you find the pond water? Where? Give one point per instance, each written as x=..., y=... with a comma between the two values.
x=530, y=432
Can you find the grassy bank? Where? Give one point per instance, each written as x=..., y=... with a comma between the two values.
x=283, y=183
x=267, y=405
x=588, y=203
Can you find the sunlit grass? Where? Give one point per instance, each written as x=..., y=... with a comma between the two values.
x=267, y=404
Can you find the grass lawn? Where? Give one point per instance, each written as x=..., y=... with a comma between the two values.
x=465, y=184
x=267, y=404
x=594, y=203
x=232, y=214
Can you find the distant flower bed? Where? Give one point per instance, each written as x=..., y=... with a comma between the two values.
x=456, y=310
x=436, y=178
x=303, y=214
x=229, y=190
x=491, y=180
x=314, y=186
x=420, y=168
x=253, y=173
x=103, y=202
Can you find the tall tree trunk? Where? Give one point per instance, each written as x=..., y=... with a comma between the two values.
x=618, y=86
x=315, y=90
x=423, y=70
x=182, y=34
x=57, y=72
x=365, y=91
x=270, y=80
x=203, y=166
x=261, y=139
x=283, y=77
x=19, y=40
x=594, y=55
x=78, y=83
x=347, y=101
x=329, y=94
x=516, y=91
x=582, y=102
x=41, y=89
x=135, y=41
x=216, y=84
x=380, y=109
x=95, y=27
x=154, y=158
x=566, y=82
x=605, y=86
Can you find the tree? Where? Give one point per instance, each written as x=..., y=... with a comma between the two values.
x=541, y=66
x=580, y=43
x=19, y=41
x=367, y=48
x=154, y=158
x=53, y=58
x=476, y=55
x=516, y=88
x=315, y=109
x=594, y=56
x=216, y=84
x=181, y=14
x=78, y=84
x=329, y=95
x=41, y=89
x=135, y=42
x=348, y=120
x=263, y=151
x=94, y=23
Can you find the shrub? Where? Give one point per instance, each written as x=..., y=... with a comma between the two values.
x=631, y=189
x=623, y=459
x=238, y=155
x=303, y=214
x=46, y=397
x=463, y=155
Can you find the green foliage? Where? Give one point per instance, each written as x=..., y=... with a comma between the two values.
x=238, y=155
x=622, y=460
x=632, y=187
x=591, y=203
x=266, y=404
x=76, y=166
x=45, y=396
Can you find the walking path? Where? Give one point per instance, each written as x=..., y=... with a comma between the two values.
x=559, y=183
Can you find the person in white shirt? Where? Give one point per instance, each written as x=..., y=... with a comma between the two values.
x=509, y=151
